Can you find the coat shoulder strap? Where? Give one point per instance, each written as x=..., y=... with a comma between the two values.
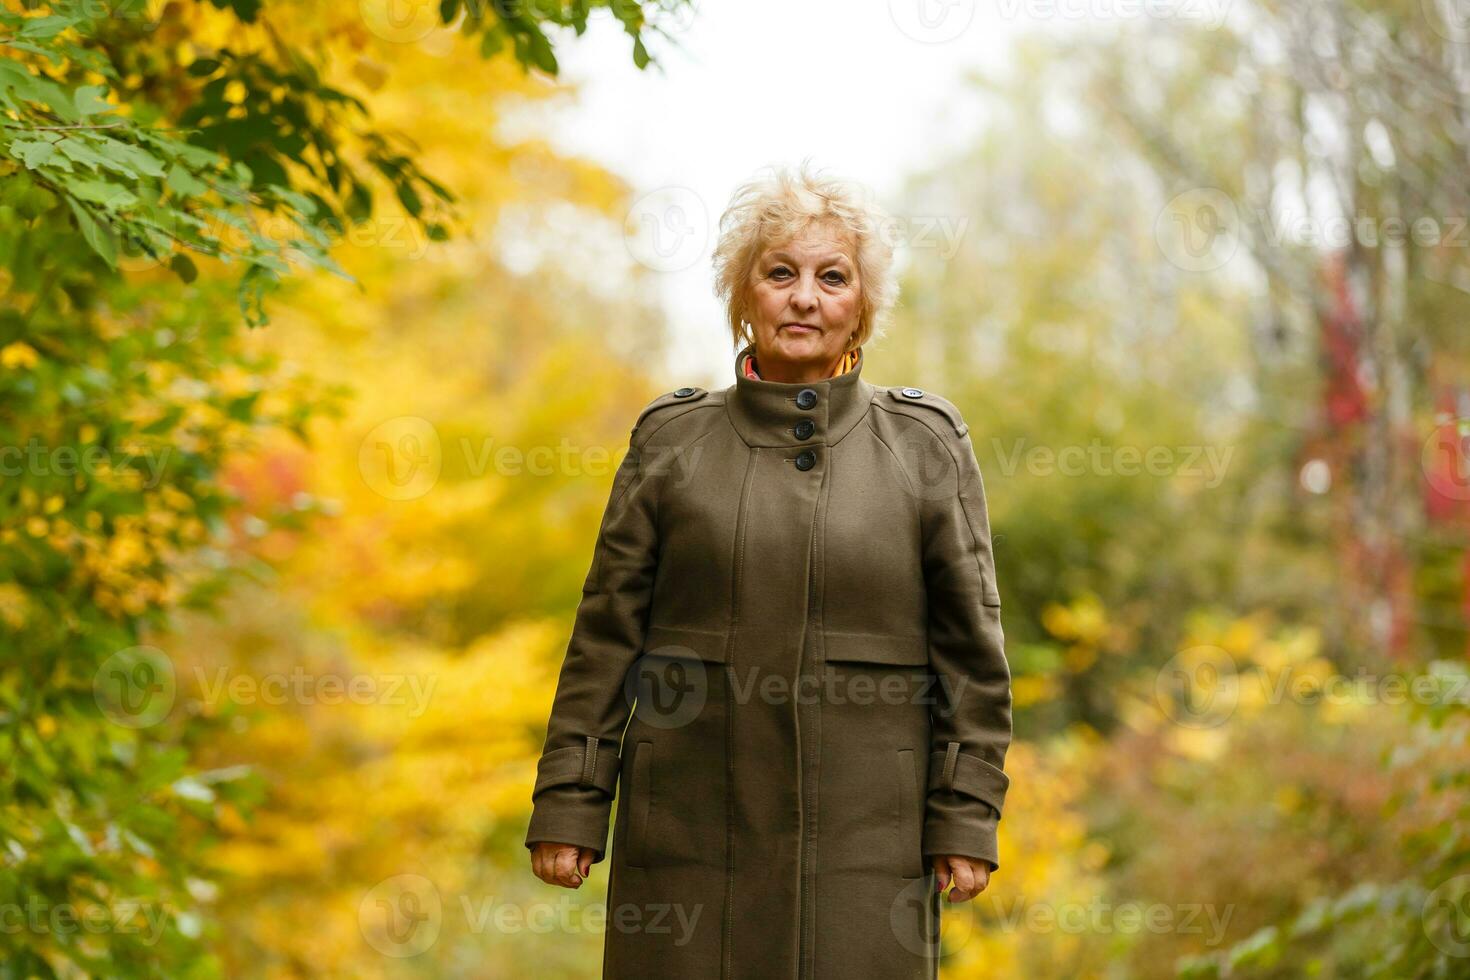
x=663, y=406
x=921, y=404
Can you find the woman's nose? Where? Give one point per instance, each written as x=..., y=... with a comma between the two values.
x=805, y=295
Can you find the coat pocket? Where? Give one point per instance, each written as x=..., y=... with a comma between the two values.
x=640, y=805
x=881, y=685
x=886, y=651
x=911, y=793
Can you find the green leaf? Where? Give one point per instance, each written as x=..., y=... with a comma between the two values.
x=184, y=267
x=246, y=10
x=492, y=41
x=184, y=183
x=97, y=236
x=114, y=197
x=409, y=198
x=34, y=153
x=1258, y=950
x=82, y=151
x=541, y=54
x=242, y=409
x=48, y=53
x=165, y=423
x=130, y=159
x=89, y=101
x=39, y=28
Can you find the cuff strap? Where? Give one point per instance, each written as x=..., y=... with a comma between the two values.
x=956, y=771
x=578, y=765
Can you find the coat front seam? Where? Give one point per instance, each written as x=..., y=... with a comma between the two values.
x=960, y=494
x=741, y=517
x=816, y=601
x=659, y=497
x=913, y=494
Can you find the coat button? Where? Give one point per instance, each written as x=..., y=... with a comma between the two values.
x=912, y=393
x=683, y=392
x=806, y=398
x=806, y=459
x=805, y=428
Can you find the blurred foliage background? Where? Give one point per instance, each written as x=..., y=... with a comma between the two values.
x=300, y=473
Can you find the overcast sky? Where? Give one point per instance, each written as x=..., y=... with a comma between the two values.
x=864, y=87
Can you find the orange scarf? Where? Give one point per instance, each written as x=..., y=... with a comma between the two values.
x=844, y=365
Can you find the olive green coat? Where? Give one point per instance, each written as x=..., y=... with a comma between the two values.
x=793, y=596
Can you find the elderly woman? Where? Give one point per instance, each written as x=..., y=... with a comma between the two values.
x=787, y=662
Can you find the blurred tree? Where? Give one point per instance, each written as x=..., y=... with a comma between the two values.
x=1246, y=240
x=145, y=149
x=1341, y=184
x=506, y=385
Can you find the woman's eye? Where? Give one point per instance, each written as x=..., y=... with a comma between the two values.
x=780, y=272
x=835, y=278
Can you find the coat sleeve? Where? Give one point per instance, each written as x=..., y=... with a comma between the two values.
x=971, y=715
x=576, y=777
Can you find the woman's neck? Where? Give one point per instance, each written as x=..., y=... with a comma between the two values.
x=795, y=372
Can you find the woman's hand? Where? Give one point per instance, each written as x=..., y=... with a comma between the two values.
x=561, y=864
x=970, y=875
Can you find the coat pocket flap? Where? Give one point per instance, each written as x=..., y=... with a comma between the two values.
x=581, y=765
x=685, y=644
x=898, y=651
x=968, y=774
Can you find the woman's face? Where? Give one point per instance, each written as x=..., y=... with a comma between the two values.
x=805, y=305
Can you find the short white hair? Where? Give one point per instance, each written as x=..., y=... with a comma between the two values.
x=778, y=205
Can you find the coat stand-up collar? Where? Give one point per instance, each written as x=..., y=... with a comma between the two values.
x=777, y=413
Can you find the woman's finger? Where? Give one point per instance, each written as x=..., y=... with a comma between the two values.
x=964, y=882
x=982, y=878
x=566, y=868
x=941, y=873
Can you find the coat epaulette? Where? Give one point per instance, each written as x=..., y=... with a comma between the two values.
x=678, y=397
x=935, y=403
